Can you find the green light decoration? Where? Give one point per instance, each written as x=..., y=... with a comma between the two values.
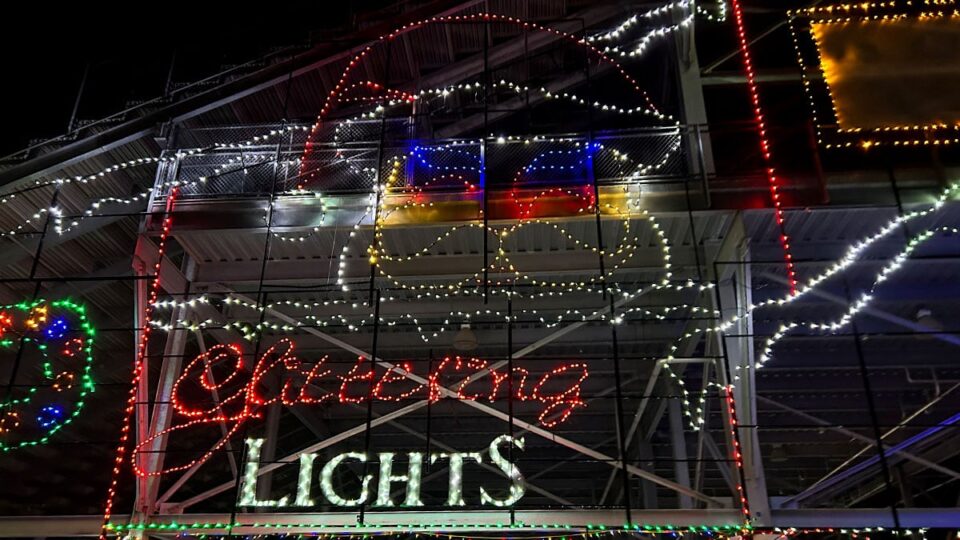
x=51, y=344
x=588, y=528
x=543, y=531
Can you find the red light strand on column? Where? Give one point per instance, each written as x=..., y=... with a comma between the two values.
x=769, y=170
x=137, y=368
x=736, y=453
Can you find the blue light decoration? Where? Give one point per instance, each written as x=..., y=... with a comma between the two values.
x=49, y=416
x=57, y=329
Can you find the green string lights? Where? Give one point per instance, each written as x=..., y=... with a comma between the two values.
x=588, y=528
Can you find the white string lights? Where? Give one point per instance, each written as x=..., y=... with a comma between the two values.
x=850, y=257
x=623, y=250
x=326, y=481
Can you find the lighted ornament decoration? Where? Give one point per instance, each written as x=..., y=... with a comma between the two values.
x=49, y=344
x=306, y=173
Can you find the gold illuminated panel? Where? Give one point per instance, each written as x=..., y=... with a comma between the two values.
x=882, y=73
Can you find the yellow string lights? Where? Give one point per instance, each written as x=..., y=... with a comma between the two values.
x=806, y=26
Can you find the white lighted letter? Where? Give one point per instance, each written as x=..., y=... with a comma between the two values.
x=326, y=481
x=305, y=480
x=517, y=488
x=412, y=478
x=248, y=493
x=455, y=492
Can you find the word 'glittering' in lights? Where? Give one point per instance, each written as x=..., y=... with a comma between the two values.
x=217, y=388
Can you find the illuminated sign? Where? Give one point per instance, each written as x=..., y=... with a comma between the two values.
x=387, y=475
x=217, y=389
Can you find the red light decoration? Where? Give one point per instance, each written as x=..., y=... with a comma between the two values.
x=9, y=421
x=735, y=453
x=243, y=396
x=342, y=85
x=354, y=376
x=769, y=170
x=392, y=375
x=6, y=323
x=137, y=368
x=562, y=403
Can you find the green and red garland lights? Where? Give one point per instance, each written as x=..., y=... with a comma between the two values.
x=769, y=170
x=56, y=338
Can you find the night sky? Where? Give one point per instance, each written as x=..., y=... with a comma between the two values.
x=129, y=48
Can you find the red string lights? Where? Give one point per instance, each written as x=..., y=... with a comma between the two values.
x=736, y=454
x=242, y=395
x=342, y=85
x=142, y=343
x=769, y=170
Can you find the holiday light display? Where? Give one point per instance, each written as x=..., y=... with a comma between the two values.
x=389, y=386
x=386, y=477
x=49, y=345
x=831, y=133
x=442, y=529
x=693, y=405
x=239, y=396
x=771, y=173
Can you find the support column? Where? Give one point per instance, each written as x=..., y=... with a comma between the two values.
x=734, y=281
x=678, y=444
x=162, y=412
x=698, y=147
x=648, y=490
x=142, y=410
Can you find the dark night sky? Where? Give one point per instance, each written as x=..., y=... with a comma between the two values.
x=129, y=48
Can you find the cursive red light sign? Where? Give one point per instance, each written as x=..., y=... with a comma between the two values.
x=219, y=387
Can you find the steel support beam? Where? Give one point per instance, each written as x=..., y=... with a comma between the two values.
x=857, y=436
x=678, y=447
x=699, y=147
x=734, y=294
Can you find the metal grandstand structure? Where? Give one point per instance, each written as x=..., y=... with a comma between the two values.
x=493, y=188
